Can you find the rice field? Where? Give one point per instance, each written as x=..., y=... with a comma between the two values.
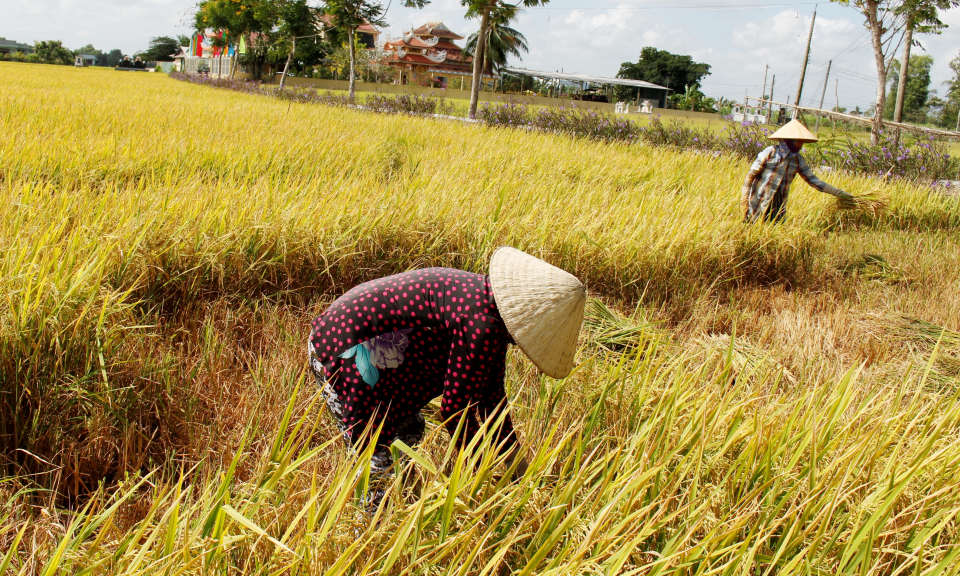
x=749, y=399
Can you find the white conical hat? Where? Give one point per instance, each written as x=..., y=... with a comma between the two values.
x=794, y=130
x=542, y=307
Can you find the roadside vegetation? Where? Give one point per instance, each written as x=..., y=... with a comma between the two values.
x=750, y=399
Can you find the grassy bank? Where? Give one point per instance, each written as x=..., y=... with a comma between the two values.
x=778, y=404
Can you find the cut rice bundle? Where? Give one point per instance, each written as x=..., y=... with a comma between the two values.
x=745, y=358
x=911, y=330
x=610, y=331
x=871, y=202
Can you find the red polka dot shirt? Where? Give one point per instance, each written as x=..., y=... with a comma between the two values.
x=389, y=346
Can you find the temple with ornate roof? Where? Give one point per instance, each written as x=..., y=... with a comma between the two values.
x=429, y=52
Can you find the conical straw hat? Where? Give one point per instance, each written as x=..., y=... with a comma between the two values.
x=542, y=307
x=794, y=130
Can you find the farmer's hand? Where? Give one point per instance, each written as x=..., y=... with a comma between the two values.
x=846, y=199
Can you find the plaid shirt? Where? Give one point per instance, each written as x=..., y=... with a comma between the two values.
x=774, y=168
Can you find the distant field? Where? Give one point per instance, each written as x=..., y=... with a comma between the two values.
x=750, y=399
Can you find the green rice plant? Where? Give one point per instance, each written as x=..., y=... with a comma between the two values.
x=739, y=481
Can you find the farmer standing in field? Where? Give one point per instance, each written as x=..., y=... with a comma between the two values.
x=386, y=348
x=767, y=185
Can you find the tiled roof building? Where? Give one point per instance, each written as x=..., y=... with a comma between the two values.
x=428, y=51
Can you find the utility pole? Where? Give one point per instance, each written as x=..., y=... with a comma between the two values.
x=763, y=94
x=806, y=57
x=836, y=92
x=770, y=104
x=823, y=94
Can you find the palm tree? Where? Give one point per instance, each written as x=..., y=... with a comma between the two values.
x=502, y=40
x=485, y=10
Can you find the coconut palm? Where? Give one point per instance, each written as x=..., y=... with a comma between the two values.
x=485, y=11
x=502, y=40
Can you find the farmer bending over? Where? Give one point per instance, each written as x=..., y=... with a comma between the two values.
x=386, y=348
x=767, y=185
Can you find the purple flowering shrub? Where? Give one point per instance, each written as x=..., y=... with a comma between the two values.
x=573, y=121
x=744, y=140
x=679, y=135
x=311, y=96
x=507, y=114
x=584, y=123
x=921, y=158
x=245, y=86
x=407, y=104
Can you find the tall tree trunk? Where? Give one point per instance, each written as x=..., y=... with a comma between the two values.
x=283, y=76
x=478, y=57
x=876, y=39
x=353, y=64
x=483, y=65
x=233, y=63
x=904, y=68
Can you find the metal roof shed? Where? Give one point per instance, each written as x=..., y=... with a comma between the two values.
x=9, y=46
x=647, y=90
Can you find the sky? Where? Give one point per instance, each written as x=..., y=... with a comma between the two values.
x=738, y=38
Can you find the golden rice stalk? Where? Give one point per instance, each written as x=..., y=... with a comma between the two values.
x=908, y=329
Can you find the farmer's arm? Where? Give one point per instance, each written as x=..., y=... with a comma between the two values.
x=493, y=402
x=810, y=178
x=474, y=363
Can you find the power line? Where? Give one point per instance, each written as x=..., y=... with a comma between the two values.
x=689, y=7
x=644, y=8
x=754, y=85
x=861, y=38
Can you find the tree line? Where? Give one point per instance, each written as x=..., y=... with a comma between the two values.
x=914, y=98
x=160, y=49
x=893, y=24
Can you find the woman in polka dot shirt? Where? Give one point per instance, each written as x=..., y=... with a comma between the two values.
x=386, y=348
